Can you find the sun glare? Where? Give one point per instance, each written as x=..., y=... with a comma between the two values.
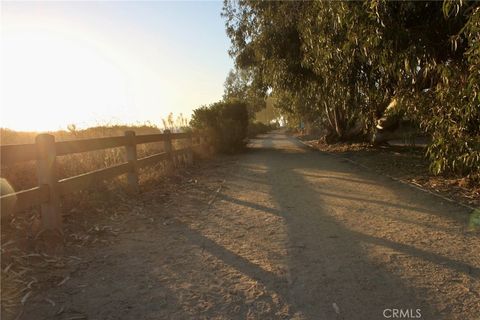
x=49, y=81
x=96, y=63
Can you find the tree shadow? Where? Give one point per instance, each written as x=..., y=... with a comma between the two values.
x=328, y=262
x=318, y=163
x=320, y=244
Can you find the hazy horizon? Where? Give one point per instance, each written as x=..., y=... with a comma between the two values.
x=90, y=63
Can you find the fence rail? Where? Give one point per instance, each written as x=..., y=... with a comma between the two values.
x=45, y=150
x=17, y=152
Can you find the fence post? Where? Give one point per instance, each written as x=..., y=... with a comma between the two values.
x=169, y=149
x=131, y=153
x=190, y=149
x=46, y=175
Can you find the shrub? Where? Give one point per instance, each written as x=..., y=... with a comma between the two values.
x=256, y=128
x=226, y=122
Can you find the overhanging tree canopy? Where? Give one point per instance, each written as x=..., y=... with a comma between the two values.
x=339, y=64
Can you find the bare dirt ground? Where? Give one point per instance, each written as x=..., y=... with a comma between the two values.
x=280, y=232
x=404, y=162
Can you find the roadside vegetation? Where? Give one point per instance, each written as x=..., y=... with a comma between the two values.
x=22, y=175
x=226, y=122
x=229, y=124
x=357, y=69
x=26, y=267
x=233, y=120
x=86, y=213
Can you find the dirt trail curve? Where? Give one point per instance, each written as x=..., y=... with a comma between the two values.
x=280, y=232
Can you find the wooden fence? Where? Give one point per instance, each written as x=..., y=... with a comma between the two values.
x=50, y=190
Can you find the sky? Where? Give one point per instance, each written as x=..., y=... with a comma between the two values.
x=93, y=63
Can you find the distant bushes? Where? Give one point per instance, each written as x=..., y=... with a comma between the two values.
x=226, y=122
x=256, y=128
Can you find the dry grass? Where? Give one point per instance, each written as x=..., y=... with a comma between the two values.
x=22, y=254
x=22, y=175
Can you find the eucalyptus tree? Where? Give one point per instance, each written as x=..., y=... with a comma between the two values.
x=435, y=68
x=340, y=64
x=244, y=85
x=265, y=38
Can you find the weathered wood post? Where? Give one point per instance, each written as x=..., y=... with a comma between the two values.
x=169, y=150
x=190, y=149
x=131, y=154
x=47, y=175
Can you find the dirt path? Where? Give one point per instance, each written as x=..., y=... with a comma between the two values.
x=280, y=232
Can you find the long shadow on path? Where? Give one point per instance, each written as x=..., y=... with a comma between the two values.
x=329, y=262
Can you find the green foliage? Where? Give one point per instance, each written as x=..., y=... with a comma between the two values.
x=242, y=85
x=226, y=122
x=340, y=64
x=256, y=128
